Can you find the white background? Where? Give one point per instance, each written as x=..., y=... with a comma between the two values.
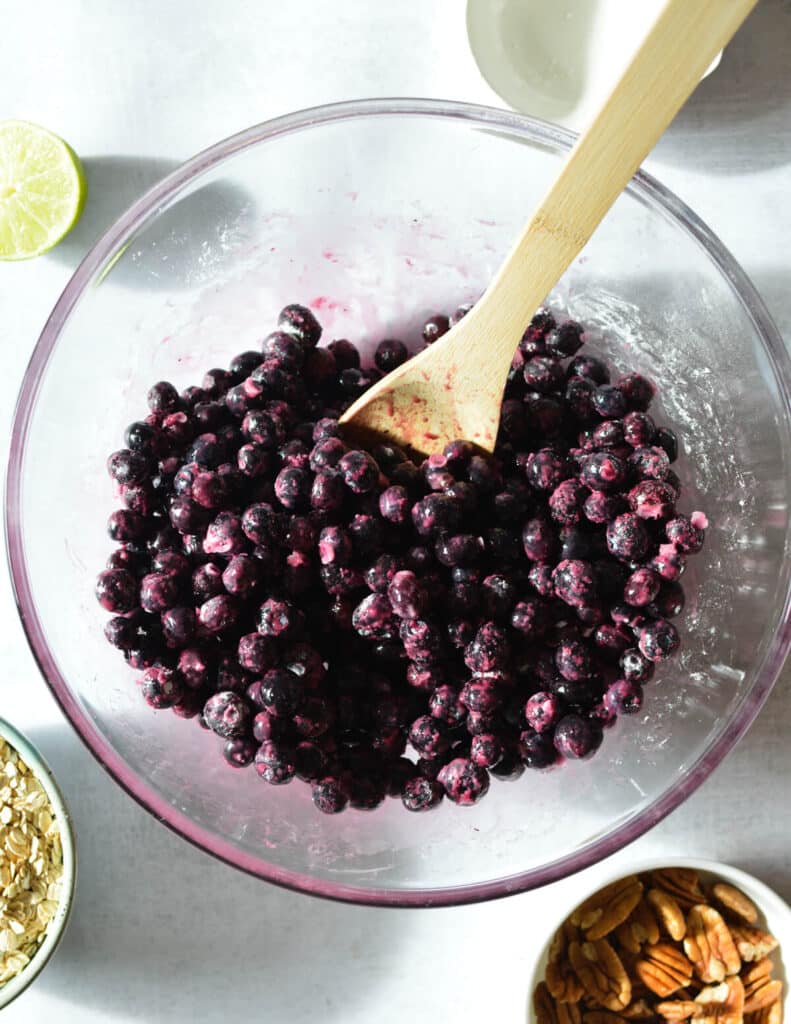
x=160, y=931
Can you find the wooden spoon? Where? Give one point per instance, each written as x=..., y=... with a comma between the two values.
x=454, y=388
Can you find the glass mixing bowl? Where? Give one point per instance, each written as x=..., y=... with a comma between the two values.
x=377, y=214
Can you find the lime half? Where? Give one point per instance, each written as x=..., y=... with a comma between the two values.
x=42, y=190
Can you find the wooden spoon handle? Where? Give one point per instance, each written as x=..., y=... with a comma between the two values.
x=663, y=72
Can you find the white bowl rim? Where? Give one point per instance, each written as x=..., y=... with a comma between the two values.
x=762, y=895
x=57, y=926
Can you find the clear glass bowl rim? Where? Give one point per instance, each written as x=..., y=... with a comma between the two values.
x=538, y=133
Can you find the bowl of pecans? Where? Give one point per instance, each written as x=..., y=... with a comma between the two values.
x=695, y=941
x=37, y=864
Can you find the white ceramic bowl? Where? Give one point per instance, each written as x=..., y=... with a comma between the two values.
x=57, y=925
x=557, y=59
x=775, y=912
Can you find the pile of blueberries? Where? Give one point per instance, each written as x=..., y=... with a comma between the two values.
x=329, y=611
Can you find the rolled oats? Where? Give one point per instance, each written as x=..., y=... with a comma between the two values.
x=31, y=864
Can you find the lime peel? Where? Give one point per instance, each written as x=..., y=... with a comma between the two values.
x=42, y=190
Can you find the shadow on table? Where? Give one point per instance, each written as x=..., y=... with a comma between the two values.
x=187, y=243
x=715, y=130
x=162, y=928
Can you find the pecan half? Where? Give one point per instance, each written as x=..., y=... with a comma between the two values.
x=760, y=989
x=709, y=945
x=676, y=1009
x=720, y=1004
x=606, y=909
x=548, y=1011
x=642, y=926
x=663, y=969
x=668, y=912
x=767, y=1015
x=681, y=883
x=752, y=943
x=735, y=902
x=602, y=973
x=562, y=982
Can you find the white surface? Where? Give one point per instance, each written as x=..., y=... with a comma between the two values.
x=159, y=930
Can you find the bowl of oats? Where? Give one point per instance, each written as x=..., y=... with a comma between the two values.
x=37, y=864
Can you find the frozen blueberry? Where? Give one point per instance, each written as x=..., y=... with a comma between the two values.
x=422, y=641
x=329, y=795
x=327, y=493
x=669, y=602
x=603, y=471
x=601, y=507
x=227, y=714
x=459, y=550
x=239, y=751
x=668, y=563
x=429, y=736
x=489, y=651
x=623, y=697
x=160, y=687
x=649, y=463
x=373, y=617
x=360, y=471
x=390, y=354
x=608, y=434
x=218, y=613
x=540, y=577
x=627, y=537
x=536, y=749
x=608, y=402
x=163, y=398
x=567, y=501
x=637, y=390
x=464, y=782
x=577, y=737
x=279, y=619
x=574, y=582
x=635, y=666
x=539, y=540
x=639, y=429
x=299, y=321
x=436, y=326
x=658, y=640
x=281, y=692
x=241, y=575
x=207, y=582
x=652, y=499
x=275, y=762
x=543, y=374
x=641, y=588
x=436, y=513
x=573, y=660
x=257, y=653
x=685, y=535
x=486, y=750
x=543, y=710
x=565, y=340
x=547, y=468
x=590, y=368
x=128, y=467
x=116, y=590
x=178, y=626
x=666, y=439
x=224, y=535
x=421, y=794
x=483, y=694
